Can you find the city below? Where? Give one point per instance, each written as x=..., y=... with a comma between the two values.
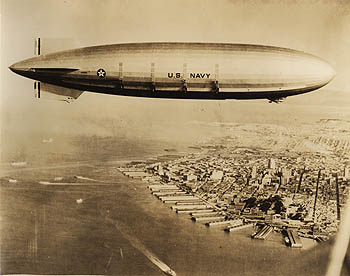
x=113, y=205
x=230, y=187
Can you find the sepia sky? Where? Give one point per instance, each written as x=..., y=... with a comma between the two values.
x=319, y=27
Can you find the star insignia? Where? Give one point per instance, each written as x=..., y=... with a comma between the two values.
x=101, y=73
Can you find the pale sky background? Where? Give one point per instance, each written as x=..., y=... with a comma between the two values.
x=319, y=27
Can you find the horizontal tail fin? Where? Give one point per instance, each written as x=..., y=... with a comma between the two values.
x=54, y=92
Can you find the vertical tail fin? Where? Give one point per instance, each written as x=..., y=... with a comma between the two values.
x=37, y=89
x=37, y=46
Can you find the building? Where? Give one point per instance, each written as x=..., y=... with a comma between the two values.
x=254, y=172
x=271, y=164
x=266, y=181
x=216, y=175
x=347, y=173
x=190, y=177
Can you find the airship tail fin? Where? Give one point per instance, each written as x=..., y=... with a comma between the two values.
x=43, y=46
x=37, y=47
x=53, y=92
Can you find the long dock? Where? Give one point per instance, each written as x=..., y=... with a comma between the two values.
x=224, y=223
x=239, y=227
x=209, y=219
x=263, y=233
x=169, y=193
x=294, y=239
x=188, y=201
x=174, y=199
x=185, y=211
x=180, y=203
x=158, y=188
x=191, y=207
x=203, y=213
x=161, y=186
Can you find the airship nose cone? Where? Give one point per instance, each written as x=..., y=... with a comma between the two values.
x=326, y=71
x=18, y=68
x=330, y=70
x=333, y=72
x=23, y=67
x=14, y=67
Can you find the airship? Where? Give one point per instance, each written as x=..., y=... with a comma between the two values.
x=214, y=71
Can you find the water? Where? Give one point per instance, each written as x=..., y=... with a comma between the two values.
x=45, y=231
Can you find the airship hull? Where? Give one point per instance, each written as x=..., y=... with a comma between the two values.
x=182, y=70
